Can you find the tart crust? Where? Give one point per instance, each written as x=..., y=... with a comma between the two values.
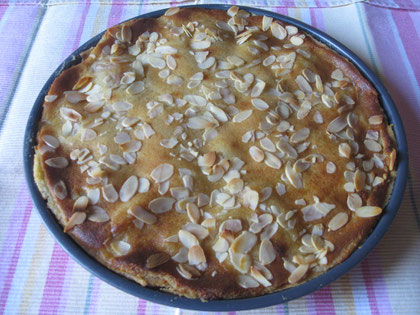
x=197, y=138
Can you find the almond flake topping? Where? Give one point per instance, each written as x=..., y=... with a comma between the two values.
x=76, y=219
x=157, y=260
x=247, y=282
x=143, y=215
x=162, y=173
x=161, y=204
x=242, y=116
x=267, y=254
x=259, y=104
x=97, y=214
x=298, y=274
x=354, y=201
x=266, y=22
x=172, y=11
x=51, y=141
x=129, y=188
x=338, y=221
x=278, y=31
x=256, y=154
x=109, y=193
x=81, y=203
x=57, y=162
x=196, y=255
x=187, y=239
x=368, y=211
x=120, y=248
x=60, y=190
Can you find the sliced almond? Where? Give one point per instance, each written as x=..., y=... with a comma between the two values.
x=267, y=254
x=81, y=203
x=296, y=40
x=60, y=190
x=278, y=31
x=76, y=219
x=247, y=282
x=259, y=104
x=129, y=188
x=161, y=204
x=242, y=116
x=51, y=141
x=193, y=212
x=337, y=124
x=187, y=239
x=188, y=272
x=368, y=211
x=157, y=260
x=196, y=255
x=144, y=185
x=172, y=11
x=376, y=119
x=143, y=215
x=272, y=160
x=294, y=178
x=244, y=243
x=240, y=262
x=120, y=248
x=338, y=221
x=298, y=274
x=162, y=173
x=207, y=159
x=256, y=153
x=257, y=275
x=266, y=22
x=221, y=245
x=109, y=193
x=344, y=150
x=136, y=88
x=354, y=201
x=97, y=214
x=57, y=162
x=372, y=145
x=70, y=114
x=300, y=135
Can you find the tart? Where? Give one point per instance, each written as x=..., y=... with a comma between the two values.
x=214, y=154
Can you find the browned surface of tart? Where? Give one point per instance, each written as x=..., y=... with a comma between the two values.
x=214, y=154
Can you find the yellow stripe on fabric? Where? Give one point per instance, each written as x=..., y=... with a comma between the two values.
x=36, y=276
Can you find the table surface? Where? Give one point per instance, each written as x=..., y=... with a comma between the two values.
x=37, y=276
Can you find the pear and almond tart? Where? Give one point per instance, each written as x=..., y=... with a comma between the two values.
x=214, y=154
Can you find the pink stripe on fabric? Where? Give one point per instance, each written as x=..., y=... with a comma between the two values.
x=375, y=285
x=280, y=309
x=10, y=261
x=66, y=285
x=279, y=10
x=55, y=280
x=73, y=38
x=2, y=11
x=324, y=303
x=115, y=14
x=395, y=73
x=317, y=18
x=141, y=307
x=409, y=38
x=369, y=287
x=81, y=25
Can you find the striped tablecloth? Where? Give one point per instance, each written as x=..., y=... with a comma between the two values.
x=37, y=276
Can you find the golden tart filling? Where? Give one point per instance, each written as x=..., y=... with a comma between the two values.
x=214, y=154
